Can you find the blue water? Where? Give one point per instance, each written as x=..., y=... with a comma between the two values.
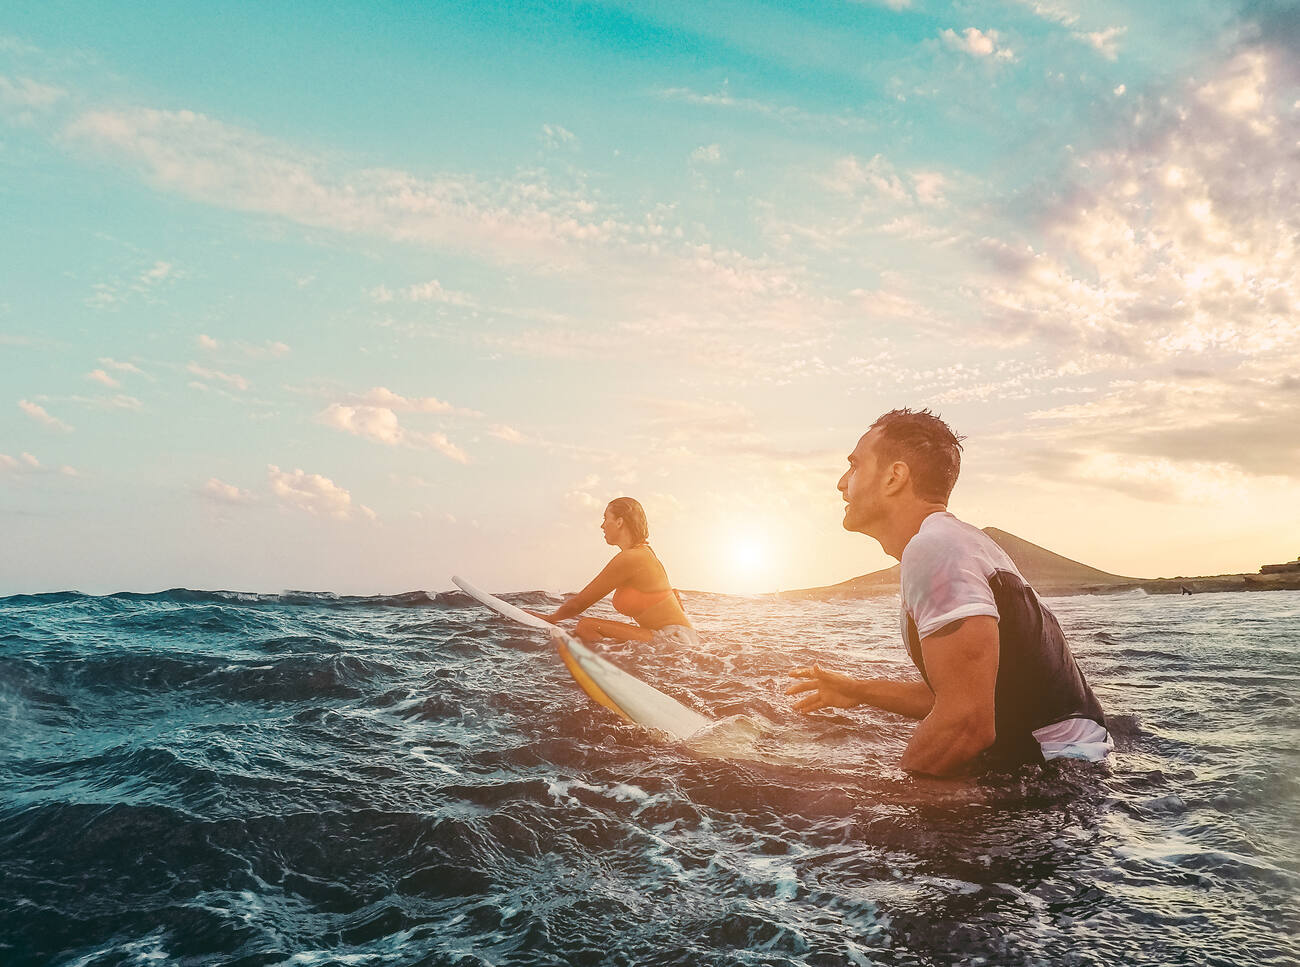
x=218, y=778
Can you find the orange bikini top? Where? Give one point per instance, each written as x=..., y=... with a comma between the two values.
x=631, y=602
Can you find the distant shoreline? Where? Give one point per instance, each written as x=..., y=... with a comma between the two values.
x=1055, y=576
x=1195, y=585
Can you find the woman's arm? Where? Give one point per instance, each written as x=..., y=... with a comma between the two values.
x=613, y=575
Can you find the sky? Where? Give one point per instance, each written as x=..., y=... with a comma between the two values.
x=356, y=296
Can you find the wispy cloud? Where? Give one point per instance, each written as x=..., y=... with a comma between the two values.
x=785, y=113
x=220, y=164
x=100, y=376
x=1056, y=11
x=270, y=349
x=383, y=396
x=110, y=295
x=121, y=367
x=431, y=291
x=710, y=154
x=27, y=94
x=116, y=401
x=214, y=375
x=1189, y=436
x=557, y=136
x=38, y=413
x=26, y=464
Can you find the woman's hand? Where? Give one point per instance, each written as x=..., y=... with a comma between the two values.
x=544, y=617
x=829, y=689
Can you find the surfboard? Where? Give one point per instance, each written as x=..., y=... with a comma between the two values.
x=617, y=690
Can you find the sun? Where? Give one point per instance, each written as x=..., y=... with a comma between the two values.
x=749, y=553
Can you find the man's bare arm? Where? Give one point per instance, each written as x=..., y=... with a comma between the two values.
x=962, y=665
x=834, y=690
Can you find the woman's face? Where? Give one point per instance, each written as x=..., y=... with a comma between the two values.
x=610, y=526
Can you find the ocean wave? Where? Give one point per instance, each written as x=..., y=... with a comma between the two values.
x=310, y=599
x=219, y=777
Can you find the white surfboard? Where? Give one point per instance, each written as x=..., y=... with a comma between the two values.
x=624, y=694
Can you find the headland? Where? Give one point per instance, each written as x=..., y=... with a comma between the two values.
x=1054, y=575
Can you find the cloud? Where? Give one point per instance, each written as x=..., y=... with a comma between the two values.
x=1180, y=240
x=1194, y=435
x=225, y=493
x=431, y=291
x=701, y=423
x=120, y=367
x=507, y=433
x=117, y=401
x=556, y=136
x=99, y=376
x=527, y=219
x=1105, y=42
x=37, y=413
x=380, y=423
x=310, y=492
x=25, y=464
x=373, y=422
x=1056, y=12
x=383, y=396
x=977, y=43
x=271, y=349
x=707, y=154
x=583, y=500
x=25, y=93
x=230, y=379
x=267, y=350
x=220, y=164
x=875, y=176
x=109, y=295
x=786, y=114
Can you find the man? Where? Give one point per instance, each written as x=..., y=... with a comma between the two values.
x=999, y=685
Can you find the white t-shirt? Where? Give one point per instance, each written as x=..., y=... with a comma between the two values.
x=945, y=575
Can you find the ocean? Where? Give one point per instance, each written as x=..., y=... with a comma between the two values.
x=204, y=778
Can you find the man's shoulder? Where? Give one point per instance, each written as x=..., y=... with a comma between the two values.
x=943, y=534
x=944, y=543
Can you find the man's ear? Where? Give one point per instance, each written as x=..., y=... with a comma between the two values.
x=897, y=477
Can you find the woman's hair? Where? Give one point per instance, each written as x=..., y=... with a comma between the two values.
x=633, y=515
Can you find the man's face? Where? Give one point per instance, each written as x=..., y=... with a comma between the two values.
x=860, y=485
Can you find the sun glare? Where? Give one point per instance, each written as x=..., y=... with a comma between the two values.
x=749, y=554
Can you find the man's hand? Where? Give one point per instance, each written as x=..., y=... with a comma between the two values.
x=544, y=617
x=830, y=689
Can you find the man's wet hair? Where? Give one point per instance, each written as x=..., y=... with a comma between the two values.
x=926, y=444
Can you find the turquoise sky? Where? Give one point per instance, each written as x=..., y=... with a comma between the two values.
x=354, y=296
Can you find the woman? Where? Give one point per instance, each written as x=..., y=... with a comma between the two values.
x=640, y=584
